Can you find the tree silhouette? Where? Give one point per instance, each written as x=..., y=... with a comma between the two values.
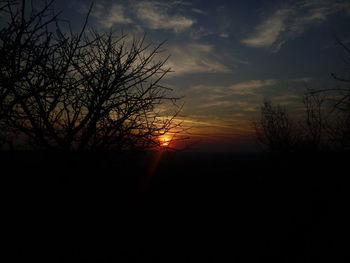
x=326, y=124
x=61, y=90
x=275, y=131
x=338, y=122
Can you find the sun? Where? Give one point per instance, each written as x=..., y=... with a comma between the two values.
x=165, y=140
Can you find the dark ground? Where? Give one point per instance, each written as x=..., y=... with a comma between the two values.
x=191, y=207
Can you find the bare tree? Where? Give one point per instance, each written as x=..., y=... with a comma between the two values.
x=61, y=90
x=326, y=124
x=314, y=135
x=336, y=101
x=275, y=131
x=25, y=45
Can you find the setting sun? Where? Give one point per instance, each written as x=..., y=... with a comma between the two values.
x=165, y=141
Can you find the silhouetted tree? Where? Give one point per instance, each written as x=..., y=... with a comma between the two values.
x=313, y=129
x=333, y=116
x=78, y=91
x=326, y=127
x=275, y=131
x=25, y=45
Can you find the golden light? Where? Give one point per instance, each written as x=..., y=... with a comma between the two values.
x=165, y=140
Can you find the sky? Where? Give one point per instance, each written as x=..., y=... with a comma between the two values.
x=227, y=57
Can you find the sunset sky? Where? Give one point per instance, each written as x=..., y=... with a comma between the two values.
x=228, y=56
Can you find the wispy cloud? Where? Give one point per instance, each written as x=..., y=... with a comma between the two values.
x=148, y=14
x=252, y=85
x=268, y=31
x=302, y=79
x=224, y=35
x=223, y=92
x=194, y=58
x=243, y=97
x=288, y=23
x=155, y=15
x=242, y=100
x=198, y=33
x=199, y=11
x=115, y=15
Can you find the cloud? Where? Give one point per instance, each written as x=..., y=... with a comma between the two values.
x=224, y=35
x=194, y=58
x=155, y=15
x=115, y=15
x=267, y=33
x=181, y=3
x=302, y=79
x=199, y=33
x=149, y=14
x=243, y=97
x=252, y=85
x=240, y=88
x=199, y=11
x=285, y=24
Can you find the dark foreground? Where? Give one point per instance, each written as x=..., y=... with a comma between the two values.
x=175, y=207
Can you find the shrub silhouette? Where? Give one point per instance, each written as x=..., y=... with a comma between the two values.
x=78, y=91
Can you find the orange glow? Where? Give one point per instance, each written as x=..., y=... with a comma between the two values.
x=165, y=140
